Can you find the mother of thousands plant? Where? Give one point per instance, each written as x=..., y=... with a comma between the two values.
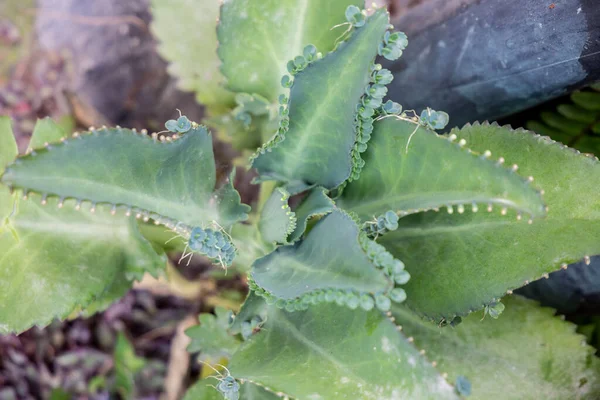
x=361, y=288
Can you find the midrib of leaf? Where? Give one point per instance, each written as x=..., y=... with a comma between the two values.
x=438, y=230
x=77, y=231
x=377, y=205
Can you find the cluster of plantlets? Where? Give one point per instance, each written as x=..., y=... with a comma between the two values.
x=392, y=226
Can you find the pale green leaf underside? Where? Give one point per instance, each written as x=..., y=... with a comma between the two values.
x=211, y=338
x=460, y=263
x=332, y=352
x=62, y=259
x=317, y=203
x=258, y=38
x=205, y=390
x=329, y=258
x=187, y=36
x=277, y=220
x=410, y=168
x=175, y=181
x=317, y=147
x=526, y=354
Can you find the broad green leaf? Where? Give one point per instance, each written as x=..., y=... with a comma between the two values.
x=330, y=257
x=461, y=262
x=170, y=182
x=258, y=38
x=317, y=147
x=211, y=338
x=277, y=221
x=205, y=390
x=53, y=260
x=187, y=36
x=527, y=353
x=317, y=203
x=331, y=352
x=410, y=169
x=63, y=259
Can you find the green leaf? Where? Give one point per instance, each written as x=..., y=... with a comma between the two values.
x=254, y=306
x=410, y=169
x=317, y=148
x=187, y=36
x=8, y=145
x=53, y=260
x=527, y=353
x=588, y=100
x=331, y=258
x=46, y=131
x=317, y=203
x=258, y=38
x=63, y=259
x=169, y=182
x=563, y=124
x=127, y=364
x=277, y=221
x=577, y=113
x=462, y=262
x=250, y=245
x=211, y=338
x=205, y=390
x=331, y=352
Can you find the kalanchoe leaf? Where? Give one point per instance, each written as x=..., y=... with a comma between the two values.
x=434, y=119
x=68, y=258
x=171, y=125
x=391, y=107
x=286, y=81
x=177, y=187
x=318, y=150
x=187, y=38
x=463, y=386
x=449, y=176
x=316, y=204
x=308, y=357
x=547, y=358
x=253, y=309
x=256, y=38
x=183, y=124
x=567, y=234
x=335, y=258
x=494, y=310
x=383, y=77
x=355, y=16
x=277, y=221
x=310, y=53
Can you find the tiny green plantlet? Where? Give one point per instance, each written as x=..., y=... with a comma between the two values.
x=374, y=239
